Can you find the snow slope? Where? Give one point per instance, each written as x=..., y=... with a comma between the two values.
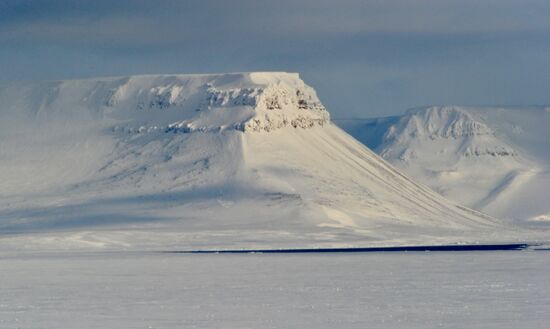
x=203, y=161
x=496, y=160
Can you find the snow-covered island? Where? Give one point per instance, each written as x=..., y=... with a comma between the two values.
x=240, y=160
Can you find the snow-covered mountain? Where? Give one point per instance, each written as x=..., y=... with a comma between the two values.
x=192, y=161
x=496, y=160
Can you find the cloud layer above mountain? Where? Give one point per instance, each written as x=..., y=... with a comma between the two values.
x=364, y=57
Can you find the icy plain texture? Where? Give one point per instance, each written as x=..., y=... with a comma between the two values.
x=500, y=290
x=243, y=160
x=496, y=160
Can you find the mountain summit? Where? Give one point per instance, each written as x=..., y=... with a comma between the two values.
x=191, y=161
x=494, y=159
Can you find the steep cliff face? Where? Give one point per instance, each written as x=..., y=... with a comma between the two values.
x=492, y=159
x=178, y=103
x=230, y=160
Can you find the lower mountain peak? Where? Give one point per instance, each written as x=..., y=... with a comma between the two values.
x=492, y=159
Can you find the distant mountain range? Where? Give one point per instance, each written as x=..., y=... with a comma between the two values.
x=493, y=159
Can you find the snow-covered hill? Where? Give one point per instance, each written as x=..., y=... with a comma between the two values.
x=192, y=161
x=496, y=160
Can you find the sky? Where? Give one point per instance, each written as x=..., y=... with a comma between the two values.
x=364, y=58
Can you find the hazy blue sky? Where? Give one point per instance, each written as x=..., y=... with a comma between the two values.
x=365, y=58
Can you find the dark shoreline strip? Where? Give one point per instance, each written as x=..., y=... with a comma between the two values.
x=469, y=247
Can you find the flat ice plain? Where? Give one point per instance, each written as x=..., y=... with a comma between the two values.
x=483, y=289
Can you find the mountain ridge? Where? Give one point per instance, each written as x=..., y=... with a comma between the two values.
x=481, y=157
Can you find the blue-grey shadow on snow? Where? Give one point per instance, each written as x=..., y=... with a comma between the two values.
x=106, y=211
x=455, y=247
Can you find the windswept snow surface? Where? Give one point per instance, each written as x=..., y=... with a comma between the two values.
x=496, y=160
x=489, y=290
x=244, y=160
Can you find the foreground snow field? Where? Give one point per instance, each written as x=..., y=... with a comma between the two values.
x=243, y=160
x=486, y=290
